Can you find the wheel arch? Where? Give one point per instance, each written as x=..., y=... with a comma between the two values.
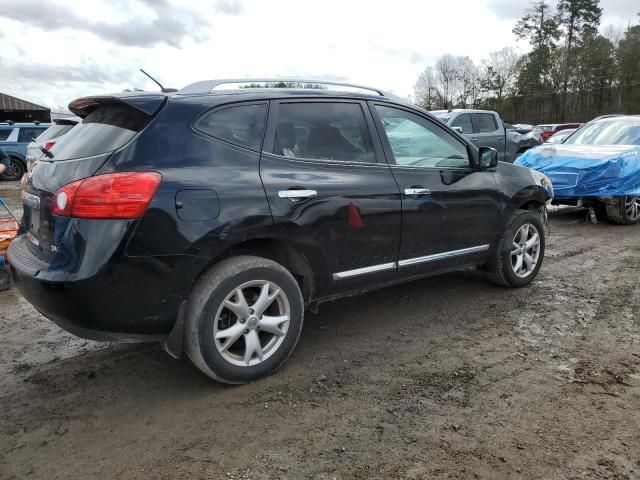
x=532, y=197
x=289, y=256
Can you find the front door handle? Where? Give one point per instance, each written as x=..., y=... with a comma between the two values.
x=473, y=139
x=417, y=191
x=295, y=195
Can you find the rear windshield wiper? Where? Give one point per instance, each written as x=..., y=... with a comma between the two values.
x=42, y=148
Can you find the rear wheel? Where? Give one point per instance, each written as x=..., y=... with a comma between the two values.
x=625, y=210
x=14, y=171
x=520, y=252
x=244, y=319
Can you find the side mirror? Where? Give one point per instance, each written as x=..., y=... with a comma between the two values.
x=488, y=157
x=458, y=129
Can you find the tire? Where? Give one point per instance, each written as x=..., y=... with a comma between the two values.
x=625, y=210
x=215, y=308
x=15, y=170
x=507, y=270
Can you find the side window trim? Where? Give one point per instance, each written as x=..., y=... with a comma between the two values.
x=386, y=146
x=268, y=147
x=194, y=124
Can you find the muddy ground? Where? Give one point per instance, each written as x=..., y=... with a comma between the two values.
x=449, y=377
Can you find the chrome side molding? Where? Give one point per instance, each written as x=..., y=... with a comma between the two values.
x=443, y=255
x=363, y=271
x=409, y=261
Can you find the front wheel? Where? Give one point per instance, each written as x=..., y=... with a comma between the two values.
x=243, y=319
x=520, y=251
x=625, y=210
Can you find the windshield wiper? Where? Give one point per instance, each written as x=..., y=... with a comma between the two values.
x=42, y=148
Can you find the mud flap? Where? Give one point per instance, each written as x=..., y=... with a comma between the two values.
x=173, y=343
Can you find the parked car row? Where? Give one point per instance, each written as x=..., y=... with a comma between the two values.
x=209, y=219
x=24, y=143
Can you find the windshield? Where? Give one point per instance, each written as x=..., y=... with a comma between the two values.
x=559, y=137
x=610, y=131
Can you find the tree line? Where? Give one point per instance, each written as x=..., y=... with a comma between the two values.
x=574, y=71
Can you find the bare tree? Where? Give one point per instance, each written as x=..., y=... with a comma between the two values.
x=447, y=79
x=500, y=72
x=468, y=76
x=425, y=90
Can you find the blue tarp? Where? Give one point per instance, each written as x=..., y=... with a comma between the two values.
x=587, y=170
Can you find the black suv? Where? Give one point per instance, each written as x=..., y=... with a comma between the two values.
x=210, y=218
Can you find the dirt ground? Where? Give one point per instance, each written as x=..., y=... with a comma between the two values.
x=448, y=377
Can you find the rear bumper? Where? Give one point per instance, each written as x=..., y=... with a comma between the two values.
x=129, y=299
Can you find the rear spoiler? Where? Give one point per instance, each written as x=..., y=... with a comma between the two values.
x=148, y=104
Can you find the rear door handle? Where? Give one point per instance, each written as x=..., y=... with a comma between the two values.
x=417, y=191
x=473, y=139
x=294, y=195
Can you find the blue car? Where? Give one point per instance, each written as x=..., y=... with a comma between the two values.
x=597, y=166
x=14, y=138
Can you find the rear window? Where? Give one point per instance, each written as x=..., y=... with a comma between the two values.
x=104, y=130
x=54, y=131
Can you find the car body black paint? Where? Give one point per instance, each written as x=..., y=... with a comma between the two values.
x=125, y=279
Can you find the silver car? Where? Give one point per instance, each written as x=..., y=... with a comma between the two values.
x=48, y=138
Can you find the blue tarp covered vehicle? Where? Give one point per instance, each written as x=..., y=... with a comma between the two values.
x=587, y=170
x=599, y=165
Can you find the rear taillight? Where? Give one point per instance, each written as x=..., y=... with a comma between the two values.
x=114, y=195
x=48, y=145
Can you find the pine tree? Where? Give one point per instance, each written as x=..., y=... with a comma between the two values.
x=578, y=21
x=540, y=27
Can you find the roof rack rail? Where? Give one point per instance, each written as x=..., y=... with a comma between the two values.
x=206, y=86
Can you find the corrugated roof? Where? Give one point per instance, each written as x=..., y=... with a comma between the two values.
x=7, y=102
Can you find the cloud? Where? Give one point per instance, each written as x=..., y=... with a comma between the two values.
x=88, y=72
x=169, y=25
x=55, y=86
x=229, y=7
x=508, y=9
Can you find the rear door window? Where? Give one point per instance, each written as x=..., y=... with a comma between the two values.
x=484, y=123
x=27, y=134
x=104, y=130
x=241, y=125
x=323, y=131
x=463, y=121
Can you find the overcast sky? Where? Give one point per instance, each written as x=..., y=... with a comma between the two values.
x=54, y=51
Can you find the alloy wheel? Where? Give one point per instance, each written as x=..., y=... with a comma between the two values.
x=251, y=323
x=632, y=207
x=525, y=250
